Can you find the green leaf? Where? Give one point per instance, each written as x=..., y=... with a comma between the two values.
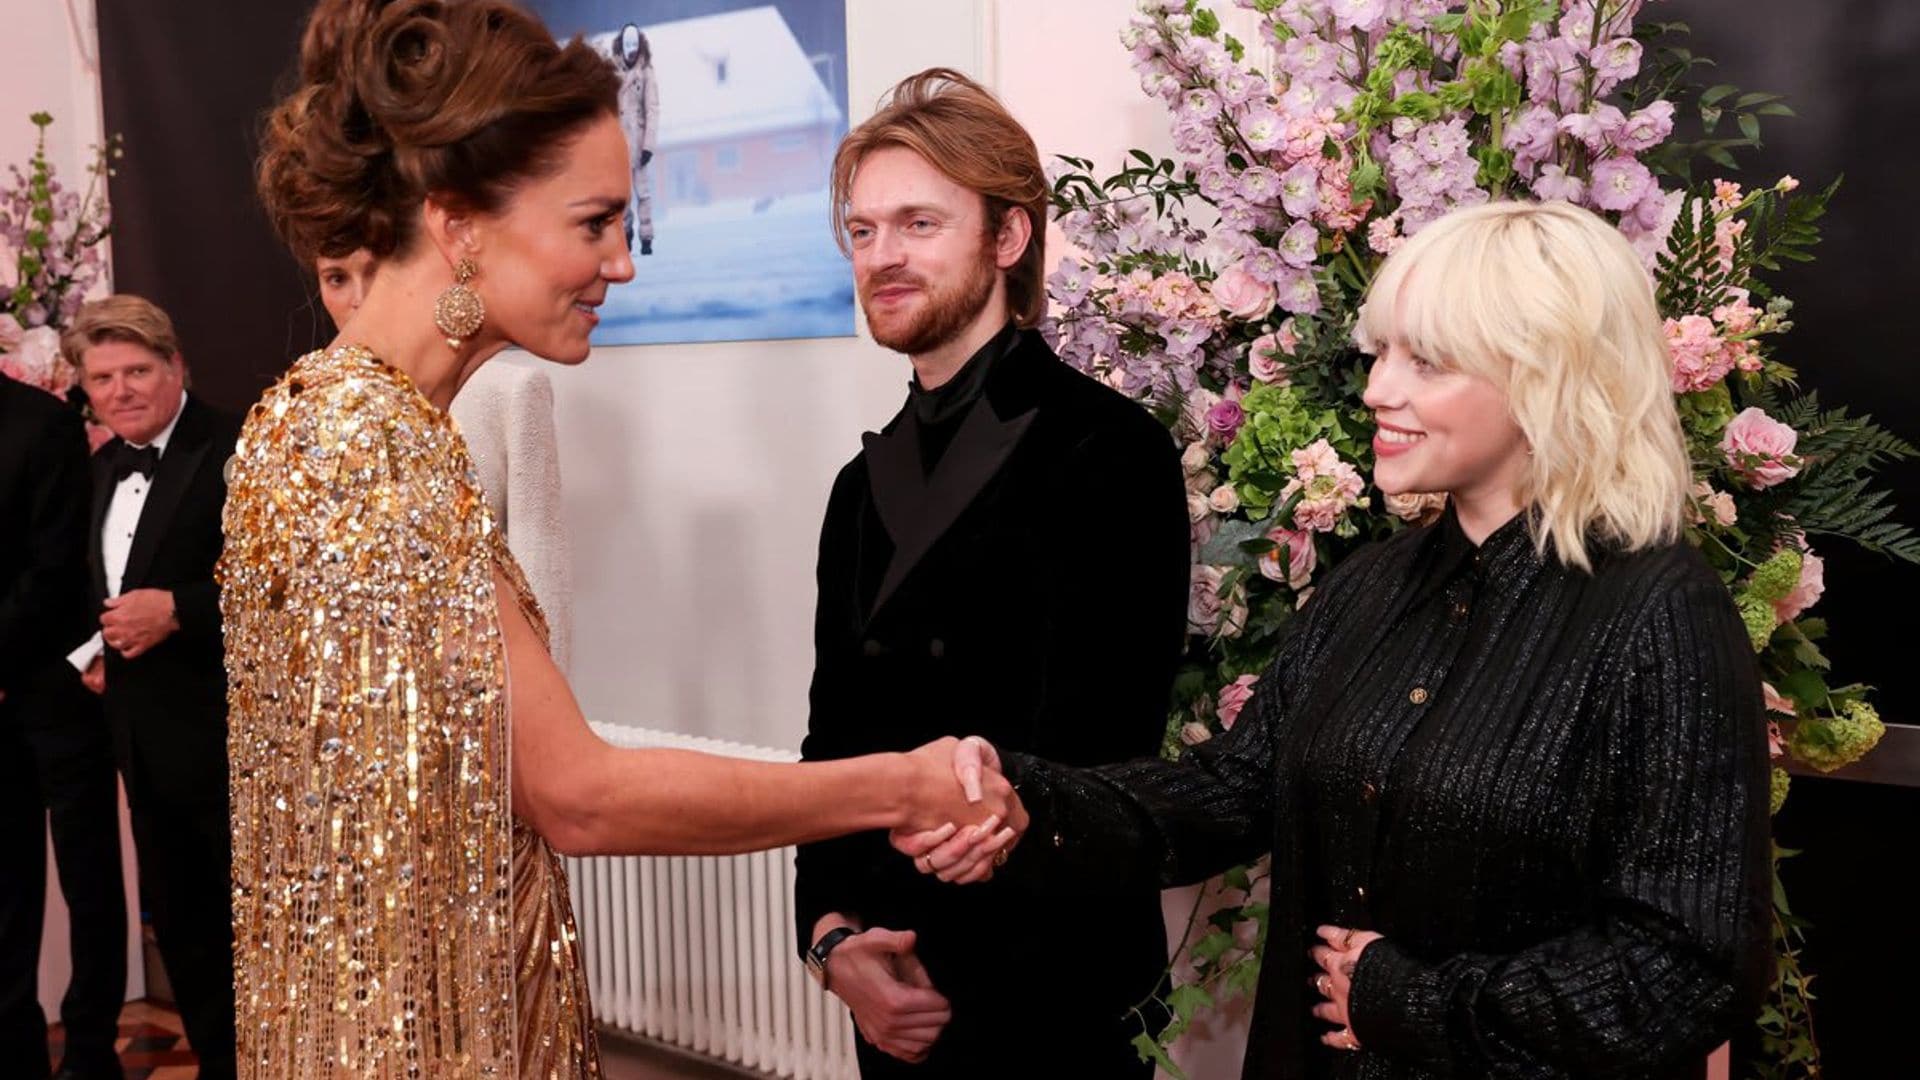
x=1187, y=1002
x=1150, y=1049
x=1750, y=126
x=1714, y=93
x=1205, y=23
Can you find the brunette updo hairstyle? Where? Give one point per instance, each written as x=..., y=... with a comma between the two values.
x=398, y=99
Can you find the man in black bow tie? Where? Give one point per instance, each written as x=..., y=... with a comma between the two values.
x=157, y=660
x=1008, y=558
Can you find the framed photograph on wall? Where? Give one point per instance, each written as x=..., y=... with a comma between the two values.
x=732, y=110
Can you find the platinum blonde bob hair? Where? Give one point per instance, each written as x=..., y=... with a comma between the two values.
x=1551, y=305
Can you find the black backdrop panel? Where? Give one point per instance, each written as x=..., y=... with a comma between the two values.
x=186, y=83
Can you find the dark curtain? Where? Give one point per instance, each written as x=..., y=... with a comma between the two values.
x=186, y=83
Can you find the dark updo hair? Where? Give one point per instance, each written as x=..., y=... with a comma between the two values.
x=398, y=99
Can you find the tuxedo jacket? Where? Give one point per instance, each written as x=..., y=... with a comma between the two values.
x=168, y=707
x=1031, y=590
x=43, y=517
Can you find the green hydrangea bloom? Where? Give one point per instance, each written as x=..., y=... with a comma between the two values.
x=1830, y=742
x=1759, y=617
x=1778, y=796
x=1776, y=577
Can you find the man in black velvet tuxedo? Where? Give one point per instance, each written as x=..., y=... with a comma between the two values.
x=56, y=771
x=1008, y=557
x=154, y=536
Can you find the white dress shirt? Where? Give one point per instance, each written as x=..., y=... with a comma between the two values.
x=116, y=531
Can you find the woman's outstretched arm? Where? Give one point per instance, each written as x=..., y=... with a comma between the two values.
x=590, y=798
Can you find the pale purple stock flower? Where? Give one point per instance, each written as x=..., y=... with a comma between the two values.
x=1554, y=183
x=1263, y=129
x=1299, y=246
x=1619, y=183
x=1259, y=184
x=1595, y=129
x=1647, y=128
x=1300, y=188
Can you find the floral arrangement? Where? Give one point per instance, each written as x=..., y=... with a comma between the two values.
x=50, y=240
x=1222, y=290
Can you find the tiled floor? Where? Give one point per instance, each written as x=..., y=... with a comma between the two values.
x=152, y=1048
x=150, y=1044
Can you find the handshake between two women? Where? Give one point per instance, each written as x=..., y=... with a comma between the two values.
x=981, y=832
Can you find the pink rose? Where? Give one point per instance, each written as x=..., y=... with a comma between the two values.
x=1234, y=697
x=1263, y=361
x=1717, y=503
x=10, y=331
x=1224, y=419
x=1193, y=733
x=1297, y=547
x=1223, y=499
x=1760, y=449
x=1207, y=611
x=1242, y=295
x=1813, y=582
x=1195, y=458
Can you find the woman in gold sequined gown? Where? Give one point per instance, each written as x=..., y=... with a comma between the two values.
x=405, y=757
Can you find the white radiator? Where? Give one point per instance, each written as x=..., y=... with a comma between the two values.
x=698, y=953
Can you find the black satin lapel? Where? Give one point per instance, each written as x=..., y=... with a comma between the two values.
x=893, y=475
x=170, y=481
x=103, y=486
x=979, y=448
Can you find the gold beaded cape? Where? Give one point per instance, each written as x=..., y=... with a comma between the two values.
x=392, y=918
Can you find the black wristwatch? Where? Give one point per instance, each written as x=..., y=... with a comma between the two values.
x=817, y=956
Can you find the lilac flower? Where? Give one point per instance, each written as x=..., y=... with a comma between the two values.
x=1308, y=57
x=1300, y=188
x=1361, y=15
x=1194, y=136
x=1071, y=283
x=1259, y=184
x=1554, y=183
x=1531, y=135
x=1300, y=245
x=1553, y=72
x=1616, y=60
x=1238, y=216
x=1184, y=336
x=1441, y=142
x=1595, y=129
x=1240, y=87
x=1199, y=103
x=1263, y=129
x=1263, y=264
x=1646, y=128
x=1619, y=183
x=1214, y=60
x=1299, y=294
x=1216, y=182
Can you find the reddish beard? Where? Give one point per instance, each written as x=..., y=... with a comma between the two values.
x=946, y=312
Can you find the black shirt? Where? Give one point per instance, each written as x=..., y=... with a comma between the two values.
x=937, y=413
x=1547, y=789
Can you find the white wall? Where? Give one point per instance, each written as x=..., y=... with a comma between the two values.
x=47, y=63
x=696, y=476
